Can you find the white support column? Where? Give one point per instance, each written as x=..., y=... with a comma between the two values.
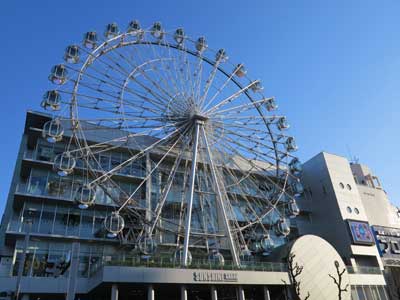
x=214, y=294
x=191, y=193
x=114, y=292
x=240, y=292
x=148, y=191
x=150, y=292
x=266, y=293
x=184, y=293
x=73, y=271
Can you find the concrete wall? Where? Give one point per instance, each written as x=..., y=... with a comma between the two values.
x=335, y=199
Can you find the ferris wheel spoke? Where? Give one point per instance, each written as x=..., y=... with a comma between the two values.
x=161, y=77
x=252, y=148
x=188, y=78
x=119, y=68
x=167, y=187
x=230, y=98
x=199, y=75
x=166, y=89
x=222, y=197
x=254, y=144
x=117, y=103
x=219, y=90
x=248, y=208
x=119, y=141
x=119, y=86
x=254, y=167
x=133, y=158
x=154, y=84
x=150, y=173
x=209, y=82
x=172, y=76
x=242, y=107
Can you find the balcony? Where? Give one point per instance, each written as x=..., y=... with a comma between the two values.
x=203, y=264
x=104, y=162
x=364, y=270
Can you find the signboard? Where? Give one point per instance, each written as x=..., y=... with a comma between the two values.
x=205, y=276
x=360, y=232
x=388, y=243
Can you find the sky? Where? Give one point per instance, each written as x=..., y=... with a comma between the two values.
x=333, y=66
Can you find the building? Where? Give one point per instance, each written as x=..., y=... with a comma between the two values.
x=67, y=252
x=385, y=220
x=337, y=199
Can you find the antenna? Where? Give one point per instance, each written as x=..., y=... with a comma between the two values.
x=352, y=159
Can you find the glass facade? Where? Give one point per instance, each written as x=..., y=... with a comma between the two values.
x=369, y=292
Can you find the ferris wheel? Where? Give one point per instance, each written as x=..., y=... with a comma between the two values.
x=219, y=176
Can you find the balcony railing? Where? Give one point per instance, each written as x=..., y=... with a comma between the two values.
x=363, y=270
x=132, y=171
x=195, y=264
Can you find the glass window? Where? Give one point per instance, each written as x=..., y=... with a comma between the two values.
x=94, y=162
x=115, y=160
x=45, y=152
x=54, y=187
x=65, y=187
x=354, y=295
x=360, y=293
x=46, y=222
x=61, y=221
x=356, y=210
x=39, y=262
x=368, y=293
x=375, y=293
x=86, y=229
x=105, y=161
x=99, y=197
x=341, y=185
x=74, y=220
x=349, y=210
x=348, y=187
x=38, y=182
x=83, y=267
x=382, y=293
x=31, y=213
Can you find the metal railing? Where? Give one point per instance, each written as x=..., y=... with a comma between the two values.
x=195, y=264
x=363, y=270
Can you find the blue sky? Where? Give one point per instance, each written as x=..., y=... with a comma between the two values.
x=332, y=65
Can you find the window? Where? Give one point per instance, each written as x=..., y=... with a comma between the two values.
x=349, y=210
x=356, y=211
x=354, y=295
x=341, y=185
x=348, y=187
x=38, y=181
x=360, y=293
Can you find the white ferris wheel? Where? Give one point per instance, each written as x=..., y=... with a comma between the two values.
x=218, y=175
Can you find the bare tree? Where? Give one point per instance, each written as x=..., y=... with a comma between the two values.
x=294, y=270
x=338, y=280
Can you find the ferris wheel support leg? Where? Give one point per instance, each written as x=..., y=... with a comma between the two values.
x=232, y=247
x=241, y=295
x=191, y=193
x=148, y=193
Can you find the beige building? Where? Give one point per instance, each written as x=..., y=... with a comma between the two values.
x=334, y=208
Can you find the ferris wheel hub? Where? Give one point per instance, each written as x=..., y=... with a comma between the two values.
x=199, y=118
